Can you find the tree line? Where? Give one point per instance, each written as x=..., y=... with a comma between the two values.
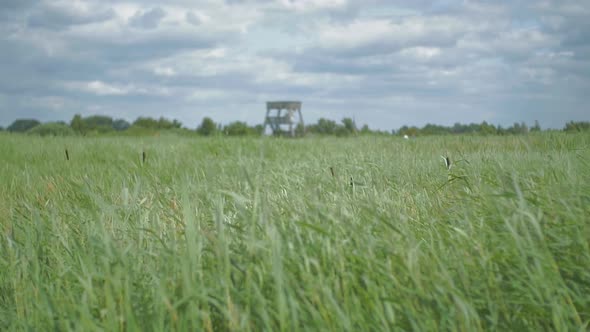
x=101, y=124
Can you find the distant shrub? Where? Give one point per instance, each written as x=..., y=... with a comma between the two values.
x=239, y=128
x=51, y=129
x=22, y=125
x=162, y=123
x=121, y=124
x=574, y=126
x=207, y=128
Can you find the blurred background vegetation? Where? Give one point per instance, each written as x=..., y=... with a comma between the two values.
x=145, y=126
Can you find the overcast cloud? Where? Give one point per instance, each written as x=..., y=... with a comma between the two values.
x=387, y=63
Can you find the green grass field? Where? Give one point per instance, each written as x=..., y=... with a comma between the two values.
x=253, y=234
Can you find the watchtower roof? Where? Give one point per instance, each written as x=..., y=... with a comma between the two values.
x=283, y=105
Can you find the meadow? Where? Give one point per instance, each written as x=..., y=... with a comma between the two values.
x=314, y=234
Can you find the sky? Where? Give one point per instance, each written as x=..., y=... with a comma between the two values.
x=385, y=63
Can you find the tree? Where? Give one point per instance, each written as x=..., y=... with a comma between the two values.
x=432, y=129
x=93, y=123
x=577, y=126
x=259, y=129
x=349, y=125
x=518, y=128
x=410, y=131
x=78, y=125
x=162, y=123
x=487, y=129
x=176, y=124
x=536, y=127
x=22, y=125
x=458, y=128
x=324, y=127
x=121, y=124
x=237, y=128
x=366, y=130
x=299, y=130
x=98, y=122
x=146, y=122
x=207, y=127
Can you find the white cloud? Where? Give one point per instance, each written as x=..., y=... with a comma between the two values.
x=207, y=95
x=164, y=71
x=355, y=34
x=421, y=52
x=196, y=18
x=510, y=43
x=313, y=5
x=392, y=34
x=100, y=88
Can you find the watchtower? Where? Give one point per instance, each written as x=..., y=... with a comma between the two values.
x=286, y=118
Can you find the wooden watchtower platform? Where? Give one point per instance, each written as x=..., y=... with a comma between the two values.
x=283, y=117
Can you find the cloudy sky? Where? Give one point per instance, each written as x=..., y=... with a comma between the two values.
x=386, y=63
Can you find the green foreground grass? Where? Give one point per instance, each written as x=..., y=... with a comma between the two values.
x=255, y=234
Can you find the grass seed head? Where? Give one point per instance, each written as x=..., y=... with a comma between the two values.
x=447, y=161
